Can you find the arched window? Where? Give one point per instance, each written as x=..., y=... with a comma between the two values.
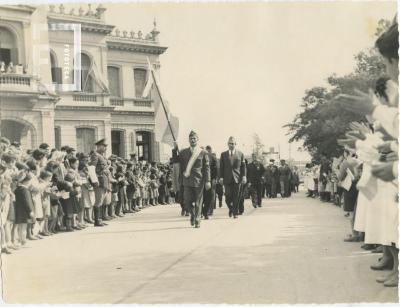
x=140, y=81
x=86, y=78
x=56, y=72
x=114, y=81
x=8, y=47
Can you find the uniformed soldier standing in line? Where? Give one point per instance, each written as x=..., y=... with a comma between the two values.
x=195, y=173
x=255, y=173
x=209, y=195
x=102, y=187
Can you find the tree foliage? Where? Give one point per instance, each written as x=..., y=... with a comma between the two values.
x=322, y=121
x=258, y=147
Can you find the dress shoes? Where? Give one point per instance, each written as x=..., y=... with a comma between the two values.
x=392, y=281
x=187, y=214
x=206, y=217
x=255, y=206
x=381, y=279
x=235, y=216
x=352, y=239
x=230, y=214
x=377, y=250
x=5, y=250
x=197, y=225
x=192, y=222
x=380, y=266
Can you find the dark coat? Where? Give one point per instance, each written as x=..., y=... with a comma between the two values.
x=213, y=165
x=232, y=171
x=23, y=204
x=284, y=172
x=254, y=173
x=200, y=172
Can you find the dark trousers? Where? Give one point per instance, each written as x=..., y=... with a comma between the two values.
x=268, y=189
x=231, y=197
x=208, y=201
x=256, y=194
x=179, y=197
x=193, y=199
x=161, y=194
x=274, y=187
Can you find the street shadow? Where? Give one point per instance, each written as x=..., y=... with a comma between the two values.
x=136, y=231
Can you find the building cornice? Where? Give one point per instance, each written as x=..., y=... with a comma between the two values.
x=87, y=24
x=141, y=46
x=126, y=112
x=22, y=8
x=85, y=108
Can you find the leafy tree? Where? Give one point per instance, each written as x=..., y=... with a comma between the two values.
x=258, y=147
x=322, y=121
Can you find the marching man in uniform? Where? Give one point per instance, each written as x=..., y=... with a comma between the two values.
x=194, y=168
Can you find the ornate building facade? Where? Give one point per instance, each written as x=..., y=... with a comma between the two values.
x=113, y=73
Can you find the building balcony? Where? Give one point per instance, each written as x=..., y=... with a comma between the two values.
x=16, y=82
x=85, y=97
x=131, y=102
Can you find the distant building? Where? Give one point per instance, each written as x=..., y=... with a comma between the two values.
x=113, y=76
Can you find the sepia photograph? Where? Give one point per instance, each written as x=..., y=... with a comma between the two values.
x=199, y=152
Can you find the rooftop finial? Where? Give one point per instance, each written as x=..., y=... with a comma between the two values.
x=155, y=32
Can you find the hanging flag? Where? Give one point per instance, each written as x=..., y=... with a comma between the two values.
x=167, y=137
x=149, y=83
x=166, y=125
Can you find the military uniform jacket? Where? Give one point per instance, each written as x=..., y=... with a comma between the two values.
x=284, y=172
x=254, y=173
x=200, y=172
x=102, y=172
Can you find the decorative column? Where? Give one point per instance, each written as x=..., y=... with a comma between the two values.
x=47, y=127
x=107, y=135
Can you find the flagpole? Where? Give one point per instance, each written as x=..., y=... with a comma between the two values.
x=162, y=102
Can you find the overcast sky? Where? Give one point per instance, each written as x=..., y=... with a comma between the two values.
x=239, y=69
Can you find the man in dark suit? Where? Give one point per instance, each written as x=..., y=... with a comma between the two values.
x=255, y=173
x=209, y=195
x=232, y=176
x=272, y=178
x=268, y=179
x=284, y=178
x=194, y=169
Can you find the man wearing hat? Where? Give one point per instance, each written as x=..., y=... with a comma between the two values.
x=284, y=178
x=194, y=168
x=255, y=173
x=232, y=175
x=102, y=186
x=270, y=177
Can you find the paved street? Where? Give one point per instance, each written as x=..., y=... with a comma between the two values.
x=289, y=251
